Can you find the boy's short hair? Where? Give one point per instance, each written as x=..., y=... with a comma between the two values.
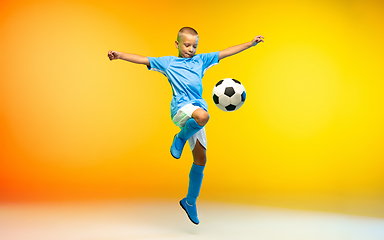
x=186, y=30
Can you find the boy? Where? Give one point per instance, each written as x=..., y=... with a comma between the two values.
x=188, y=108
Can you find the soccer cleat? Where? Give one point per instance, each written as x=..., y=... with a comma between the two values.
x=191, y=211
x=177, y=147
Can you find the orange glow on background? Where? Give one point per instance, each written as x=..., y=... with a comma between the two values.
x=75, y=126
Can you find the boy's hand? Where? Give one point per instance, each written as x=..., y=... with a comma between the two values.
x=257, y=39
x=113, y=55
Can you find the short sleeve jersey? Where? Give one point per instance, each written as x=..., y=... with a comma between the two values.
x=185, y=76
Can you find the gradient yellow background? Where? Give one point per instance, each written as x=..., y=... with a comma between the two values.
x=75, y=126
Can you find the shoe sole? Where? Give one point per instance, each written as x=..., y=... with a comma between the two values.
x=187, y=213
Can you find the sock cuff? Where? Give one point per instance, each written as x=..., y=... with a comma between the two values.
x=197, y=169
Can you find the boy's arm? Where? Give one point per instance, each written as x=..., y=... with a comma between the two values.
x=134, y=58
x=239, y=48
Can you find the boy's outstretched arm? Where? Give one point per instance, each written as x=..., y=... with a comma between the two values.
x=239, y=48
x=134, y=58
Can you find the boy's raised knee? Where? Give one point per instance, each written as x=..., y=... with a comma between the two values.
x=201, y=117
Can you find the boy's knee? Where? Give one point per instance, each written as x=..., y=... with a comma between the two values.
x=202, y=118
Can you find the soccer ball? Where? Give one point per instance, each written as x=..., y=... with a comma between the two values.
x=228, y=94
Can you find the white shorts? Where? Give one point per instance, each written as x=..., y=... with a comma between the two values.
x=181, y=117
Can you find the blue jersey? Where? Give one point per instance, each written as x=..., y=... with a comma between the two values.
x=185, y=76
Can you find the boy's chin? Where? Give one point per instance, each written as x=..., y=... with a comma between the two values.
x=186, y=55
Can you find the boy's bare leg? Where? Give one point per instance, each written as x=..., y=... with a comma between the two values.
x=199, y=155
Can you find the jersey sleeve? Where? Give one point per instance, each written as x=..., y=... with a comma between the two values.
x=159, y=64
x=209, y=59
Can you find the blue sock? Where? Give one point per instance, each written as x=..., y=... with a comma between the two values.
x=195, y=180
x=191, y=127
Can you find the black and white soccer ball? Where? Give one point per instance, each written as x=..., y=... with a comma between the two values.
x=229, y=94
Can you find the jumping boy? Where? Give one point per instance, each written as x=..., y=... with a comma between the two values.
x=188, y=108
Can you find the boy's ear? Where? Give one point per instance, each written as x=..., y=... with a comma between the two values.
x=177, y=44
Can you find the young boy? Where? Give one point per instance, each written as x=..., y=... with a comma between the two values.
x=188, y=108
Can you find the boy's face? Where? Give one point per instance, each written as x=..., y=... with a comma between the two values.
x=187, y=45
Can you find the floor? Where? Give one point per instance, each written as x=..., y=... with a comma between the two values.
x=164, y=219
